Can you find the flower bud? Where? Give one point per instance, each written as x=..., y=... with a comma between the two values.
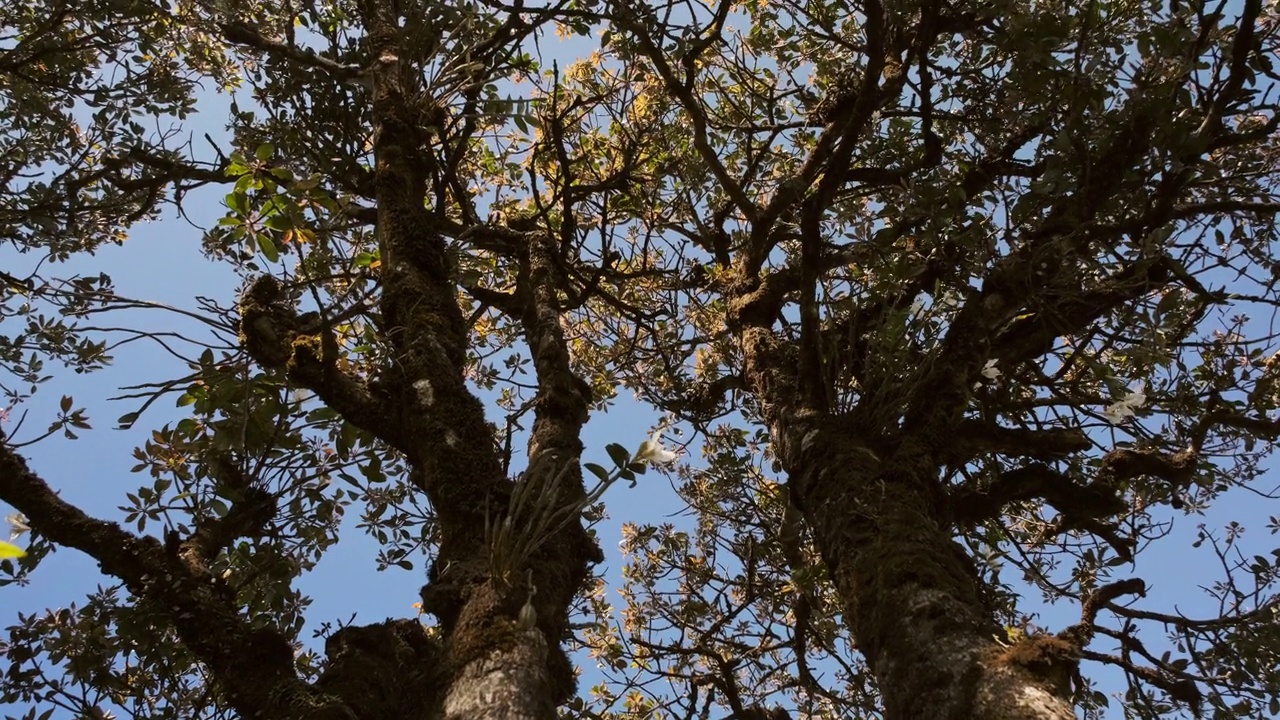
x=528, y=617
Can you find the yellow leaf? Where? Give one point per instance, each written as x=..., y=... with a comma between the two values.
x=10, y=551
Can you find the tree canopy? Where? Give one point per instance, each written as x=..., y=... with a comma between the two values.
x=956, y=308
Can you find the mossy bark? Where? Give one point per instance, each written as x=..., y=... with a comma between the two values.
x=871, y=493
x=910, y=593
x=486, y=662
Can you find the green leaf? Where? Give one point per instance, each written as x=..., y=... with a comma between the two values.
x=1168, y=301
x=618, y=454
x=598, y=471
x=264, y=152
x=238, y=202
x=268, y=248
x=237, y=166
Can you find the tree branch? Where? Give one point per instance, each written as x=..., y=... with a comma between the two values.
x=254, y=667
x=1036, y=480
x=243, y=34
x=683, y=92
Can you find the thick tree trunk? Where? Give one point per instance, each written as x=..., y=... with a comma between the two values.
x=508, y=683
x=911, y=594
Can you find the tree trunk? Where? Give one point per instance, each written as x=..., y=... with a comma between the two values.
x=912, y=595
x=508, y=683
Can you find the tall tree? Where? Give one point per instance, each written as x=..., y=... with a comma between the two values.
x=965, y=290
x=974, y=280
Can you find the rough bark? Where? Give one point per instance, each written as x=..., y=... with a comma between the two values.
x=508, y=683
x=912, y=596
x=455, y=459
x=868, y=477
x=880, y=518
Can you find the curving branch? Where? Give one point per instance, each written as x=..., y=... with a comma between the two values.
x=1036, y=480
x=253, y=666
x=239, y=33
x=1123, y=464
x=274, y=335
x=976, y=437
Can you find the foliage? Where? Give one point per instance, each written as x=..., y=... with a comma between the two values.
x=955, y=306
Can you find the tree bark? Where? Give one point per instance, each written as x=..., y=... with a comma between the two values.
x=508, y=684
x=871, y=493
x=911, y=594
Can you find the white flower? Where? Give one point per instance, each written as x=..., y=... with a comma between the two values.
x=990, y=371
x=652, y=451
x=1138, y=397
x=1127, y=406
x=1117, y=413
x=17, y=525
